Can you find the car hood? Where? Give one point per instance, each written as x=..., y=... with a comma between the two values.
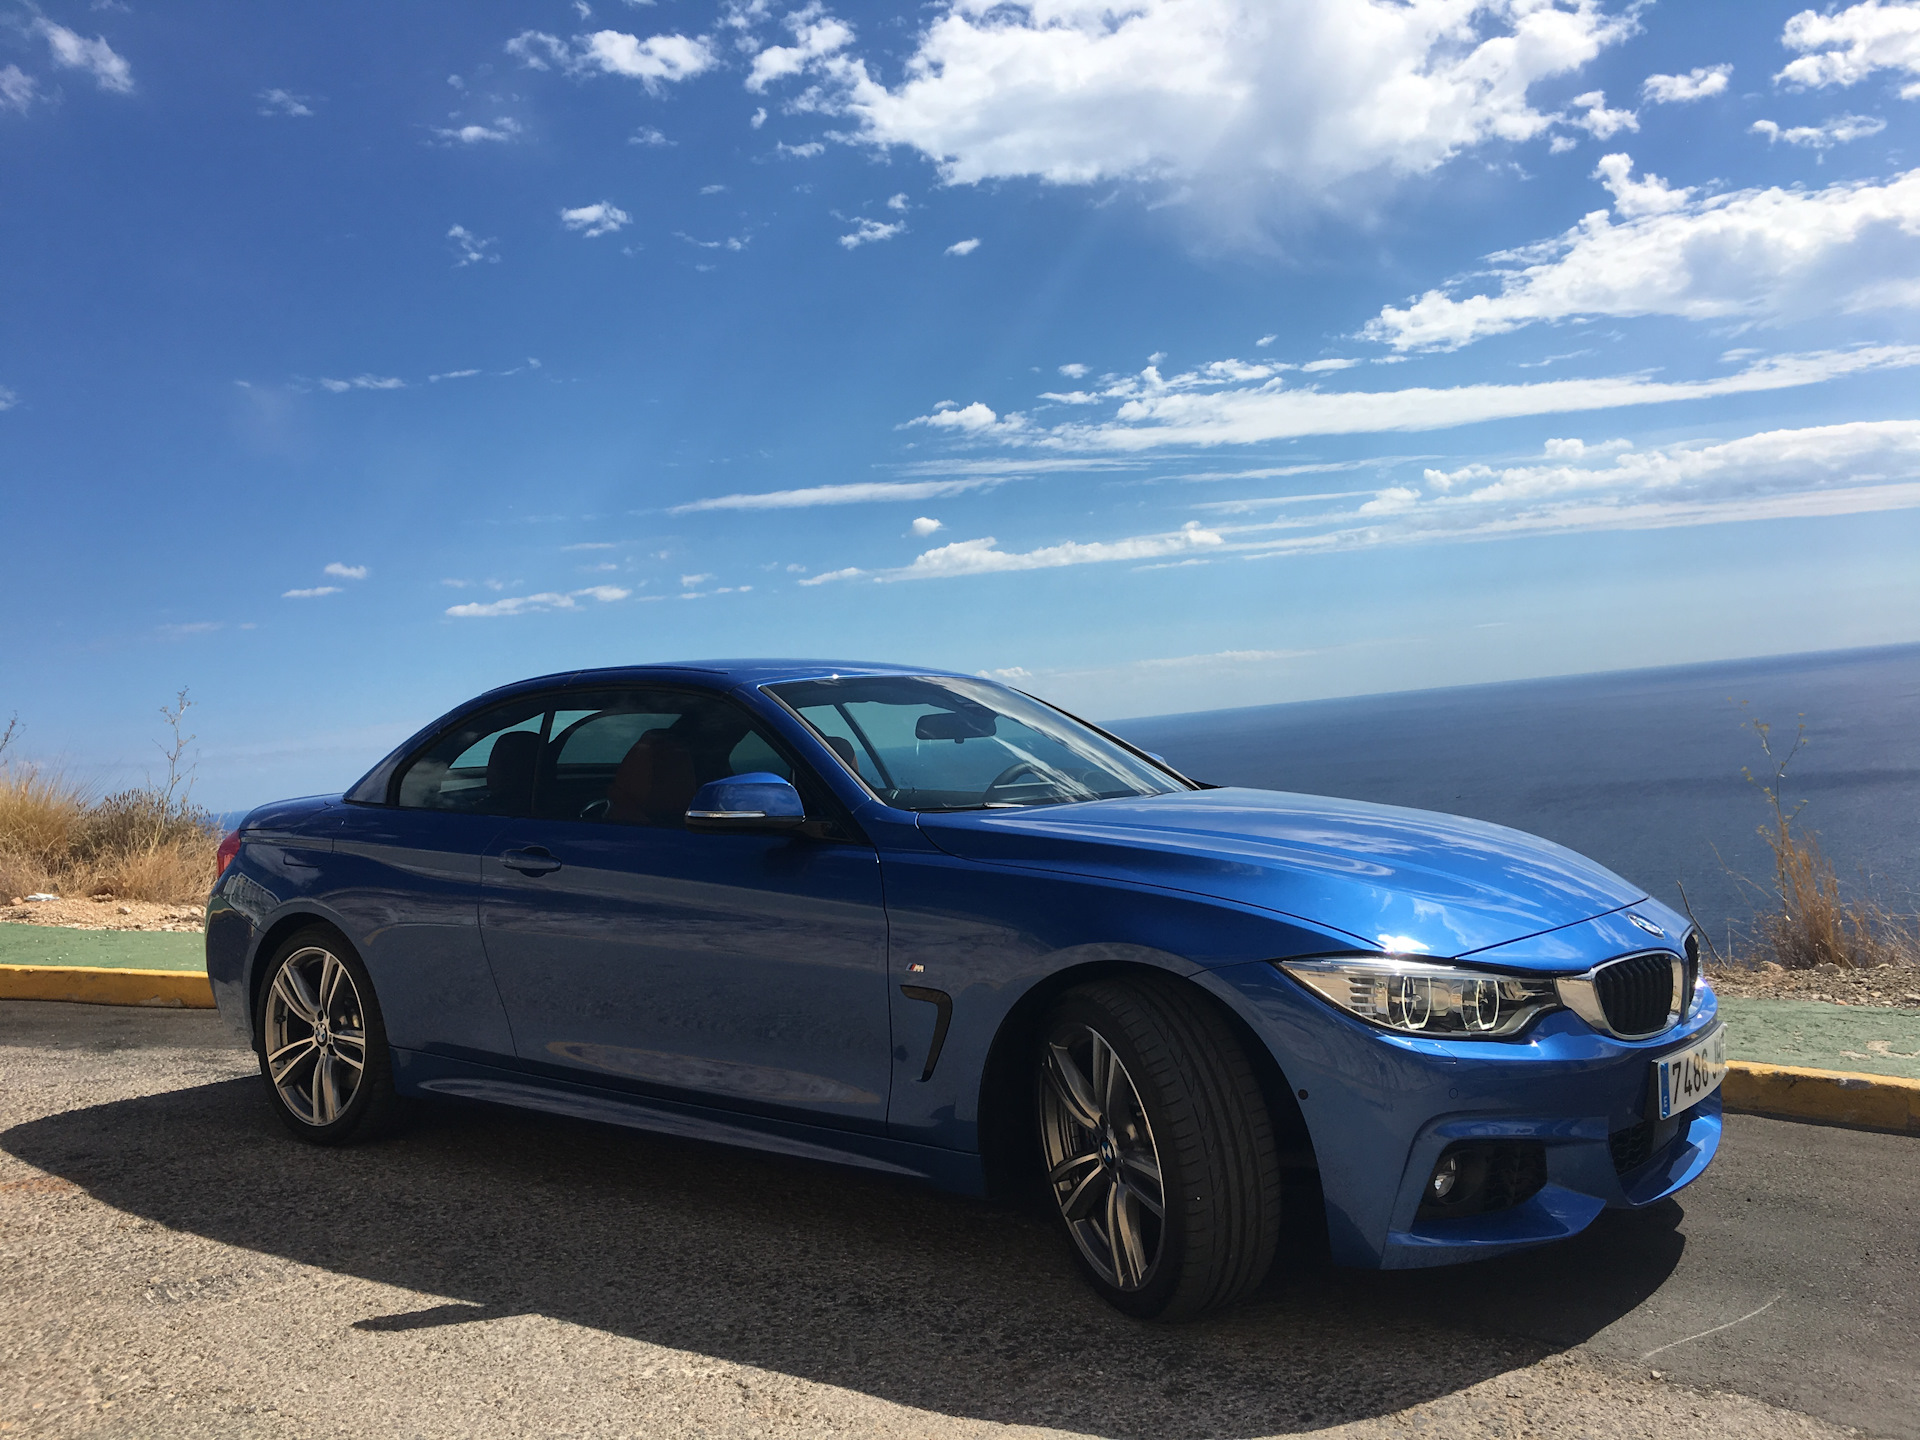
x=1411, y=881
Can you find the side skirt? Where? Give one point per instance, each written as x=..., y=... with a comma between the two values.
x=416, y=1072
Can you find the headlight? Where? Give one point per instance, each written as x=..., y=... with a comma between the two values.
x=1423, y=998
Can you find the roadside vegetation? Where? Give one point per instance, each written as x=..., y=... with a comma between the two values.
x=147, y=843
x=1806, y=922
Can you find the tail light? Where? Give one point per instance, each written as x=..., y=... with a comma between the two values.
x=229, y=848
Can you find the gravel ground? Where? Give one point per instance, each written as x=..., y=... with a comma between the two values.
x=103, y=913
x=1894, y=986
x=173, y=1264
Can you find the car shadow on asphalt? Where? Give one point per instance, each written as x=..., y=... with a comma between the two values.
x=951, y=1305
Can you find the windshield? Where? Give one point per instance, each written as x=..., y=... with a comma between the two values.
x=932, y=743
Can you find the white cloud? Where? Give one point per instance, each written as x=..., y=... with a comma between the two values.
x=346, y=572
x=601, y=218
x=926, y=525
x=976, y=419
x=815, y=34
x=899, y=203
x=1073, y=371
x=983, y=556
x=501, y=130
x=451, y=375
x=1254, y=414
x=311, y=594
x=647, y=135
x=758, y=118
x=655, y=62
x=1845, y=48
x=1836, y=130
x=535, y=604
x=868, y=232
x=8, y=399
x=1697, y=84
x=1749, y=255
x=963, y=247
x=364, y=382
x=1266, y=340
x=800, y=152
x=715, y=189
x=860, y=493
x=1313, y=367
x=1599, y=121
x=75, y=52
x=592, y=545
x=16, y=89
x=687, y=582
x=284, y=102
x=470, y=249
x=1570, y=449
x=1236, y=102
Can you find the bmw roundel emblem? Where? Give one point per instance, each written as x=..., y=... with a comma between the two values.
x=1647, y=925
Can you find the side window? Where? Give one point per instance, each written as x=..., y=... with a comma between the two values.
x=637, y=756
x=485, y=766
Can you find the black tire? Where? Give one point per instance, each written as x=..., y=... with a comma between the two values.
x=1202, y=1116
x=312, y=1062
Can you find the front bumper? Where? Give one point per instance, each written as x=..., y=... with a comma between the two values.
x=1380, y=1109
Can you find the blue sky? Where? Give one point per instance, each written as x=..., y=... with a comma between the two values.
x=1161, y=356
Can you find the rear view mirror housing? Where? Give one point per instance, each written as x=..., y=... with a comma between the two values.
x=758, y=801
x=955, y=725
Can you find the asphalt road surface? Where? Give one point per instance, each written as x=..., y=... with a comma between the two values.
x=172, y=1263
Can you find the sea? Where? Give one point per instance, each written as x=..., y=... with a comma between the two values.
x=1645, y=771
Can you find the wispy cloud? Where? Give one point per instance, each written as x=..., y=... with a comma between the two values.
x=984, y=556
x=364, y=382
x=1748, y=255
x=501, y=130
x=600, y=218
x=867, y=492
x=284, y=102
x=345, y=572
x=471, y=249
x=451, y=375
x=1835, y=130
x=656, y=62
x=869, y=232
x=72, y=51
x=963, y=247
x=16, y=89
x=1697, y=84
x=8, y=399
x=309, y=594
x=546, y=600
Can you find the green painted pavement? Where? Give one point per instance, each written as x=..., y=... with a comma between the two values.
x=102, y=949
x=1820, y=1036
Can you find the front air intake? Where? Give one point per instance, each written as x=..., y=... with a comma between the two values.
x=1636, y=993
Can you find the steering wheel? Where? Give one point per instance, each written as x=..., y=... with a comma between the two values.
x=1011, y=773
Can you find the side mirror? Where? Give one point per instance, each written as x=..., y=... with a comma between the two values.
x=755, y=802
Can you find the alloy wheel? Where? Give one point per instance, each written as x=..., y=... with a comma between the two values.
x=316, y=1036
x=1102, y=1164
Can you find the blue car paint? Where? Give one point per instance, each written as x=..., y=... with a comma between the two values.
x=983, y=906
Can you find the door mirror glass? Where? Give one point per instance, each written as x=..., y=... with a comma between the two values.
x=756, y=801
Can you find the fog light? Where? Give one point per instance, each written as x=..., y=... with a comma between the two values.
x=1445, y=1176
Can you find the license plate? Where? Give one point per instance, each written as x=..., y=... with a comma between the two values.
x=1688, y=1076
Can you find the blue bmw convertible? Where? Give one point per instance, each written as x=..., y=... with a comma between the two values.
x=925, y=924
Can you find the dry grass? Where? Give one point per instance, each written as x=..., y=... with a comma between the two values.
x=135, y=845
x=1809, y=923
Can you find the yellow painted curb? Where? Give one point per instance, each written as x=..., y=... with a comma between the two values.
x=178, y=988
x=1832, y=1097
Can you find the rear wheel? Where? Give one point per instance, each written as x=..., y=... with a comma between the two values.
x=1158, y=1149
x=323, y=1049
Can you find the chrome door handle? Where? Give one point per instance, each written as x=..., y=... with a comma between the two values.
x=534, y=861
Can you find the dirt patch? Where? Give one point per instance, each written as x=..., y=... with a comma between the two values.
x=107, y=913
x=1896, y=986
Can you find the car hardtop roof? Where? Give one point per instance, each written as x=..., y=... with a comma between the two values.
x=723, y=674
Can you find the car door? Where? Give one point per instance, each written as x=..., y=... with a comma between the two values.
x=405, y=876
x=746, y=971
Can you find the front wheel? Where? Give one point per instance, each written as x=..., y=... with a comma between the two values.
x=1158, y=1149
x=323, y=1050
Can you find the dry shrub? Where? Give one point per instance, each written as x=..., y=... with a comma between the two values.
x=1811, y=923
x=39, y=815
x=176, y=872
x=137, y=844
